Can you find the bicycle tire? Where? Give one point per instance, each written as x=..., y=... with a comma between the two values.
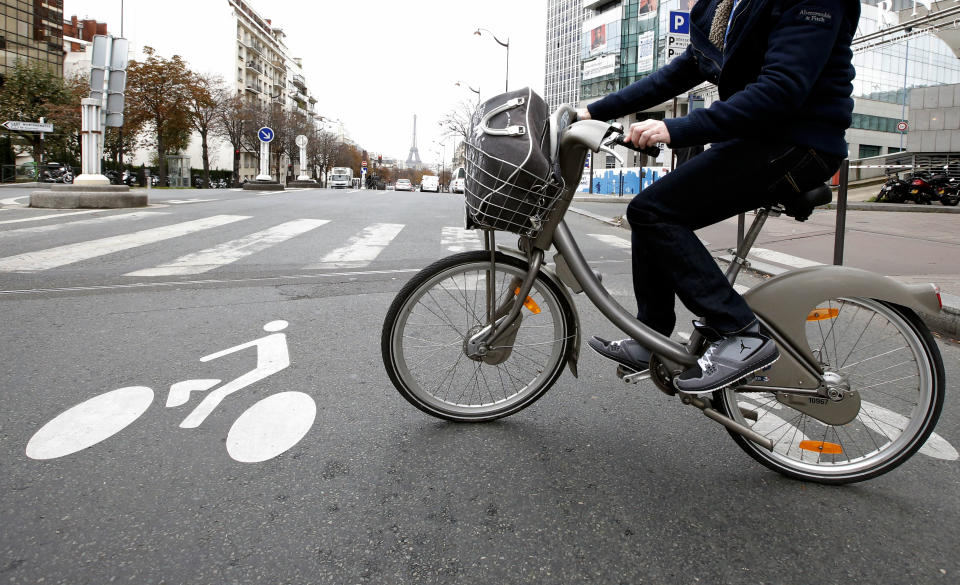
x=475, y=406
x=874, y=420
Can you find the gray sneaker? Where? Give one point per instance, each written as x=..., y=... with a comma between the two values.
x=728, y=359
x=626, y=352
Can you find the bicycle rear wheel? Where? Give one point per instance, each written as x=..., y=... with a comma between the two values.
x=889, y=357
x=425, y=330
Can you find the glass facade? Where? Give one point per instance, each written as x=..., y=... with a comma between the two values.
x=32, y=32
x=562, y=72
x=920, y=61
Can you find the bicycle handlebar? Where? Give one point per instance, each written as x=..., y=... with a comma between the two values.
x=651, y=151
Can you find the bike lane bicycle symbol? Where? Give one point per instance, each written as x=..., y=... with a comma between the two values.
x=268, y=428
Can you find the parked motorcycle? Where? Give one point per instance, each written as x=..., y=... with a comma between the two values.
x=894, y=190
x=946, y=186
x=922, y=188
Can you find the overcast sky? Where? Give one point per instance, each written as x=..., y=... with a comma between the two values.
x=371, y=63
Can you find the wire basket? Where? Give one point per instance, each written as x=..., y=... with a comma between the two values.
x=503, y=196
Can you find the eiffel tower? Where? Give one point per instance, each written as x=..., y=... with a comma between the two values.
x=413, y=159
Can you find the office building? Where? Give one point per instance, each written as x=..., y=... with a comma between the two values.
x=31, y=31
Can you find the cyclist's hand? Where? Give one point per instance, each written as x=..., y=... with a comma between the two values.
x=648, y=133
x=583, y=114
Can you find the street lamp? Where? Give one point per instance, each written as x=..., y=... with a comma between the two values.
x=467, y=85
x=505, y=45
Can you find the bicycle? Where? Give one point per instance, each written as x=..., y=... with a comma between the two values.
x=482, y=335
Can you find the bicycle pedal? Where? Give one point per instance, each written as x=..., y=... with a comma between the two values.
x=630, y=376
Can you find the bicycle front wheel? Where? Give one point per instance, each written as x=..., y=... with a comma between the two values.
x=889, y=357
x=426, y=329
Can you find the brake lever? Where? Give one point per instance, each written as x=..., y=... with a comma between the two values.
x=613, y=153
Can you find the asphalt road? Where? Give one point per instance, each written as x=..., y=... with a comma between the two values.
x=598, y=482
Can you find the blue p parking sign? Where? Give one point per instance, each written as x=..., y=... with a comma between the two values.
x=679, y=22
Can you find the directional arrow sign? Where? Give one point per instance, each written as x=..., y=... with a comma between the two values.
x=265, y=134
x=18, y=126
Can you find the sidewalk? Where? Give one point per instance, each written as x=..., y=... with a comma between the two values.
x=907, y=246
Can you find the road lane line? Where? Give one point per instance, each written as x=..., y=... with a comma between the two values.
x=229, y=252
x=51, y=216
x=13, y=200
x=363, y=247
x=72, y=253
x=134, y=216
x=458, y=239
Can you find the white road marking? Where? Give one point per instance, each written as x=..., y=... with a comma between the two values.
x=878, y=417
x=229, y=252
x=71, y=253
x=178, y=201
x=781, y=258
x=615, y=241
x=13, y=200
x=134, y=216
x=271, y=426
x=458, y=239
x=50, y=216
x=89, y=422
x=363, y=247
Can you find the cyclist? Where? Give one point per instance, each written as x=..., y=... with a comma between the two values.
x=783, y=69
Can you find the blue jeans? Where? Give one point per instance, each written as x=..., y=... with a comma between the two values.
x=725, y=180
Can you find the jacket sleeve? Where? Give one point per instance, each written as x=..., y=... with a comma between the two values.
x=798, y=48
x=680, y=75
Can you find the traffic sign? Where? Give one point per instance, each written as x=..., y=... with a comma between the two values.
x=679, y=22
x=300, y=140
x=265, y=134
x=364, y=164
x=902, y=126
x=19, y=126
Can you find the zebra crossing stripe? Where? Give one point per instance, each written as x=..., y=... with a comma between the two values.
x=363, y=248
x=134, y=216
x=228, y=252
x=615, y=241
x=458, y=239
x=71, y=253
x=781, y=258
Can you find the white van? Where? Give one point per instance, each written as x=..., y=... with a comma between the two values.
x=430, y=183
x=458, y=180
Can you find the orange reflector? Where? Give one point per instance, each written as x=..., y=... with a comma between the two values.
x=821, y=447
x=530, y=304
x=823, y=314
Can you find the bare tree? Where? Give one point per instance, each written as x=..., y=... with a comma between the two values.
x=206, y=100
x=323, y=152
x=231, y=123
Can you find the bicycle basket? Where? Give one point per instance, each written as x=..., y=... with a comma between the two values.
x=511, y=183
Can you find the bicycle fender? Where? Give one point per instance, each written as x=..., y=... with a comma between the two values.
x=783, y=303
x=573, y=350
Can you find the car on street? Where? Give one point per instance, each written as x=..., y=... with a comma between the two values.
x=404, y=185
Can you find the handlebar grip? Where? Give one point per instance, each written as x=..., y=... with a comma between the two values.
x=652, y=151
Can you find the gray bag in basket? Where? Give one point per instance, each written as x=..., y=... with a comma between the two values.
x=511, y=183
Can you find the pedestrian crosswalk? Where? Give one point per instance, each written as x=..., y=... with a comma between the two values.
x=333, y=244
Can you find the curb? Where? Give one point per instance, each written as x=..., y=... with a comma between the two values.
x=946, y=322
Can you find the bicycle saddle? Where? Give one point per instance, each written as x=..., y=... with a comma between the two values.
x=801, y=206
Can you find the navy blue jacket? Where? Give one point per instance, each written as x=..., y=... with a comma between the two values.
x=785, y=75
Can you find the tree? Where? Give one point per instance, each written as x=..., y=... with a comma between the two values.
x=159, y=96
x=31, y=92
x=66, y=118
x=206, y=98
x=458, y=122
x=232, y=122
x=323, y=152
